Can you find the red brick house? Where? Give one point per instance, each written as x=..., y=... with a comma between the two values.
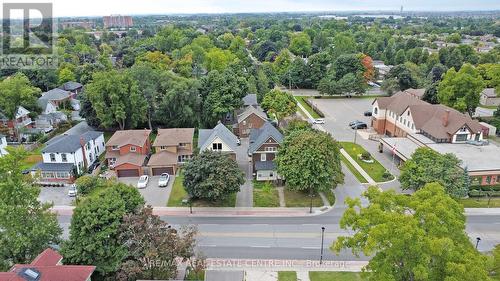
x=264, y=144
x=172, y=148
x=127, y=150
x=251, y=118
x=22, y=121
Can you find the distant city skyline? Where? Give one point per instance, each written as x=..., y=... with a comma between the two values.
x=79, y=8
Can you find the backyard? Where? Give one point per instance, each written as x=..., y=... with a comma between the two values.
x=375, y=170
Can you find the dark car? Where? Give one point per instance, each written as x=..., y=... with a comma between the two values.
x=93, y=166
x=360, y=125
x=367, y=113
x=354, y=123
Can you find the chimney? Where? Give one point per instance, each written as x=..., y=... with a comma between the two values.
x=446, y=117
x=82, y=144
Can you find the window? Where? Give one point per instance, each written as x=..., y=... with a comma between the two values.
x=375, y=110
x=52, y=157
x=461, y=137
x=271, y=149
x=217, y=146
x=133, y=149
x=183, y=158
x=163, y=147
x=183, y=144
x=244, y=122
x=271, y=174
x=413, y=126
x=115, y=147
x=262, y=157
x=64, y=158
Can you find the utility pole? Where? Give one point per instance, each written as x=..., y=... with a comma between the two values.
x=477, y=241
x=322, y=240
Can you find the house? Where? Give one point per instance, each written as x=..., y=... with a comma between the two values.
x=47, y=266
x=251, y=118
x=66, y=156
x=404, y=113
x=3, y=145
x=416, y=93
x=127, y=150
x=57, y=97
x=264, y=144
x=489, y=97
x=73, y=87
x=219, y=139
x=250, y=100
x=172, y=148
x=23, y=120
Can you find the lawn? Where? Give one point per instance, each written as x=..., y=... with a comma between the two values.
x=353, y=170
x=301, y=100
x=331, y=276
x=265, y=196
x=301, y=199
x=33, y=157
x=178, y=194
x=480, y=202
x=375, y=169
x=287, y=276
x=330, y=196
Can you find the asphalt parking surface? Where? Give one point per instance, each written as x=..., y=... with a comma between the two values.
x=56, y=195
x=153, y=195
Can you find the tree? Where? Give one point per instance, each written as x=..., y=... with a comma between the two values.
x=345, y=77
x=155, y=59
x=66, y=75
x=454, y=38
x=430, y=94
x=461, y=90
x=300, y=44
x=427, y=165
x=418, y=237
x=116, y=99
x=310, y=161
x=16, y=91
x=217, y=59
x=280, y=104
x=95, y=228
x=343, y=43
x=27, y=225
x=149, y=239
x=213, y=176
x=400, y=78
x=297, y=125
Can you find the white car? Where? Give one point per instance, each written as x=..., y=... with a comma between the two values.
x=319, y=121
x=72, y=191
x=163, y=181
x=143, y=182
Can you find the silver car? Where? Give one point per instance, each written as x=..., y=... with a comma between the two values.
x=143, y=182
x=163, y=180
x=72, y=192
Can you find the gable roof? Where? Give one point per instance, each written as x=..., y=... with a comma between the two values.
x=43, y=102
x=69, y=143
x=47, y=257
x=131, y=158
x=489, y=92
x=71, y=86
x=249, y=110
x=125, y=137
x=56, y=94
x=207, y=136
x=418, y=93
x=163, y=158
x=174, y=136
x=259, y=136
x=398, y=102
x=250, y=100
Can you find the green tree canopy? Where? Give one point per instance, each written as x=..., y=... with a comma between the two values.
x=16, y=91
x=279, y=103
x=300, y=44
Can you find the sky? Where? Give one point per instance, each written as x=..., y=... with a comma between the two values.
x=64, y=8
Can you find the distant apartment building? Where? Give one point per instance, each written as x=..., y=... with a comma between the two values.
x=117, y=21
x=73, y=24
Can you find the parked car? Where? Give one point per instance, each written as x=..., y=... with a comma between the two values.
x=238, y=142
x=93, y=166
x=354, y=123
x=163, y=180
x=319, y=121
x=361, y=125
x=72, y=191
x=367, y=113
x=143, y=182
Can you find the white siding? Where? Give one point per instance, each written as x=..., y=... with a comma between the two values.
x=225, y=147
x=3, y=145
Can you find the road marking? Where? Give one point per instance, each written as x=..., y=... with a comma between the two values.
x=312, y=248
x=207, y=245
x=310, y=224
x=260, y=246
x=260, y=224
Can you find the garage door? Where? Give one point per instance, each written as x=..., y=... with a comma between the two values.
x=159, y=171
x=127, y=173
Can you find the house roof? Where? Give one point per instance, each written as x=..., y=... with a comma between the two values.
x=69, y=143
x=207, y=136
x=56, y=94
x=71, y=86
x=419, y=93
x=399, y=102
x=112, y=154
x=125, y=137
x=43, y=102
x=265, y=165
x=21, y=111
x=131, y=158
x=249, y=110
x=47, y=257
x=163, y=158
x=489, y=92
x=250, y=99
x=260, y=136
x=174, y=136
x=53, y=167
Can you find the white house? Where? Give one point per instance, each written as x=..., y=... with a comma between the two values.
x=65, y=156
x=3, y=145
x=219, y=139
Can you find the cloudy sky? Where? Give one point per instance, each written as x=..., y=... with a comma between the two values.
x=136, y=7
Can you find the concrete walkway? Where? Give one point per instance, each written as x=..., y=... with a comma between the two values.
x=281, y=195
x=356, y=165
x=303, y=276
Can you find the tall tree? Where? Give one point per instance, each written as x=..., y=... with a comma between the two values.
x=66, y=75
x=116, y=99
x=300, y=44
x=418, y=237
x=27, y=225
x=280, y=104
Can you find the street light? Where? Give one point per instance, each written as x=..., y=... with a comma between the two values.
x=190, y=202
x=477, y=241
x=311, y=203
x=322, y=239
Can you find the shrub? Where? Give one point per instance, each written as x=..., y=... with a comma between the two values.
x=85, y=184
x=366, y=155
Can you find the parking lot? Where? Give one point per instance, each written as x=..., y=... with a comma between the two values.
x=153, y=195
x=57, y=195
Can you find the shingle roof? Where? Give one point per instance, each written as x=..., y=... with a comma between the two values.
x=174, y=136
x=71, y=86
x=135, y=137
x=416, y=92
x=47, y=257
x=250, y=99
x=131, y=158
x=399, y=102
x=251, y=110
x=56, y=94
x=163, y=158
x=53, y=167
x=260, y=136
x=69, y=143
x=489, y=92
x=265, y=165
x=207, y=136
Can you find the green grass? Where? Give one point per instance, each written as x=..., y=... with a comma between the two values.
x=480, y=202
x=375, y=169
x=178, y=193
x=301, y=100
x=301, y=199
x=263, y=197
x=32, y=158
x=330, y=196
x=287, y=276
x=198, y=276
x=334, y=276
x=353, y=170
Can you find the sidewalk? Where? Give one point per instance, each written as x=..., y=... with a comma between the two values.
x=356, y=165
x=284, y=265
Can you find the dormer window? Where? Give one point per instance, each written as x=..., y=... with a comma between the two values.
x=115, y=147
x=133, y=149
x=217, y=146
x=52, y=157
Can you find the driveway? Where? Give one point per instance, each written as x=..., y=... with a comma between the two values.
x=244, y=198
x=56, y=195
x=152, y=194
